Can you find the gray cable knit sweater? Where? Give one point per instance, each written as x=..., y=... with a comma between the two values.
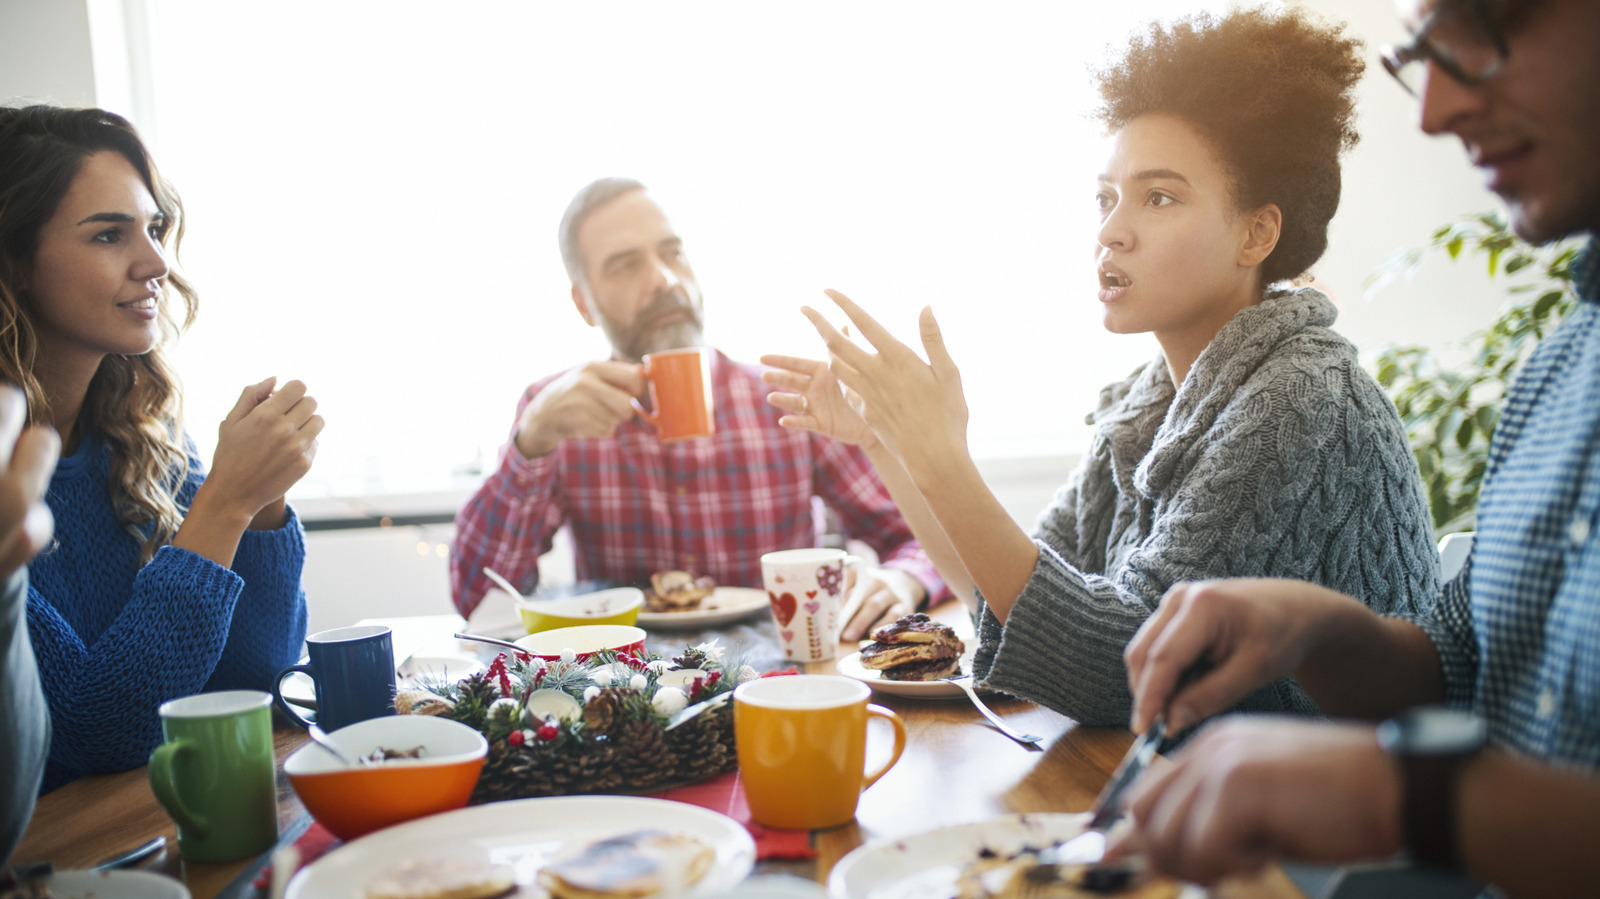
x=1278, y=457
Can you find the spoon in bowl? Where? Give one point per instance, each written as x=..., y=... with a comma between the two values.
x=493, y=641
x=501, y=582
x=321, y=738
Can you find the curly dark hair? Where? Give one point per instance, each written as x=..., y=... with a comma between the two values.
x=1271, y=93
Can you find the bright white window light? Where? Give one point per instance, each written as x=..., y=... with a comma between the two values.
x=373, y=190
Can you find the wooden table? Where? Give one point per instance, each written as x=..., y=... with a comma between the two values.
x=956, y=769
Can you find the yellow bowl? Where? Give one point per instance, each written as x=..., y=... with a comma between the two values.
x=619, y=606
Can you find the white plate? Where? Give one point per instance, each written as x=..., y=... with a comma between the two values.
x=850, y=666
x=726, y=605
x=436, y=668
x=299, y=690
x=526, y=833
x=926, y=865
x=121, y=884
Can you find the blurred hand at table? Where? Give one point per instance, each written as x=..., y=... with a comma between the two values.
x=1252, y=630
x=1250, y=790
x=27, y=457
x=881, y=597
x=813, y=400
x=916, y=409
x=587, y=401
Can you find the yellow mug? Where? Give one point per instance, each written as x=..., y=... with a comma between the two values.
x=802, y=744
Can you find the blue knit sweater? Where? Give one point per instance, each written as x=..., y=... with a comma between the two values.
x=115, y=640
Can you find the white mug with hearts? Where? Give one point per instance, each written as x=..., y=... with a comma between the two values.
x=807, y=588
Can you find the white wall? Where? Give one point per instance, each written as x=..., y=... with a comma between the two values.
x=45, y=52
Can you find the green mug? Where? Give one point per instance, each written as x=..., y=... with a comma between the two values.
x=215, y=774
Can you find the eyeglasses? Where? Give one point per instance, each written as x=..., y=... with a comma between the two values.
x=1463, y=39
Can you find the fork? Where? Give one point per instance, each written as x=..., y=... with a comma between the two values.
x=964, y=682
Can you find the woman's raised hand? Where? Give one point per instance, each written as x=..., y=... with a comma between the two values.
x=812, y=400
x=264, y=446
x=915, y=408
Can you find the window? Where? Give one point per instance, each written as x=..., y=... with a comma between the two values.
x=373, y=190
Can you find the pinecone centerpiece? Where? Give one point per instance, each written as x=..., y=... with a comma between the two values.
x=612, y=736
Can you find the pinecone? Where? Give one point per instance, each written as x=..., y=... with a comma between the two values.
x=691, y=658
x=473, y=699
x=605, y=711
x=519, y=772
x=703, y=746
x=642, y=754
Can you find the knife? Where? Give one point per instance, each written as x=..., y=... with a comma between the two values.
x=1090, y=846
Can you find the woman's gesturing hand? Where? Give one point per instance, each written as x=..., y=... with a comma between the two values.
x=916, y=408
x=265, y=445
x=812, y=400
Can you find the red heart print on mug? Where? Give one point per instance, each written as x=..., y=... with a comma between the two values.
x=783, y=607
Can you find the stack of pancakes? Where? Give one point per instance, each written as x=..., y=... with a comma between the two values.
x=677, y=591
x=914, y=648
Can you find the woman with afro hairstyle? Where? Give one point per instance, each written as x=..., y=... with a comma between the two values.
x=1253, y=444
x=162, y=581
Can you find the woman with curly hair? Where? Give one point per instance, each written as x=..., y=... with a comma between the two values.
x=162, y=581
x=1253, y=444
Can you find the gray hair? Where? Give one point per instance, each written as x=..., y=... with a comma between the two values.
x=596, y=194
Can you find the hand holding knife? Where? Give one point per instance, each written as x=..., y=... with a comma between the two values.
x=1089, y=847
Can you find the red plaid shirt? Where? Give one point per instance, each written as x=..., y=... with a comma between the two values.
x=714, y=506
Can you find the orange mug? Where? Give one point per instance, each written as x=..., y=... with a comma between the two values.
x=802, y=745
x=680, y=393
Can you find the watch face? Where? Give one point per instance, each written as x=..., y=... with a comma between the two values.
x=1433, y=730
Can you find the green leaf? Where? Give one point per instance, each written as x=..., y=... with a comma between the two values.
x=1517, y=263
x=1546, y=302
x=1464, y=431
x=1453, y=247
x=1494, y=258
x=1487, y=417
x=1439, y=499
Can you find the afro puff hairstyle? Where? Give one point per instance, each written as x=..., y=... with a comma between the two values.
x=1271, y=93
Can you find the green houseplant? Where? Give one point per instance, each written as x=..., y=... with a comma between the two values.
x=1450, y=412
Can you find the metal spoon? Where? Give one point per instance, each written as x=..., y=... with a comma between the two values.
x=494, y=641
x=128, y=858
x=503, y=584
x=321, y=738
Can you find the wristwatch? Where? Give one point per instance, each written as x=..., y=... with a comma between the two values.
x=1431, y=742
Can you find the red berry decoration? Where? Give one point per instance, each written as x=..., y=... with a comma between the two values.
x=514, y=738
x=548, y=731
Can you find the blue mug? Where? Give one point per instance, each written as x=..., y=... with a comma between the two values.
x=352, y=671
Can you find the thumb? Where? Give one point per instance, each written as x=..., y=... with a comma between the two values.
x=251, y=397
x=933, y=345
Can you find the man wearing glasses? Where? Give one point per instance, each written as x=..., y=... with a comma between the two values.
x=1489, y=760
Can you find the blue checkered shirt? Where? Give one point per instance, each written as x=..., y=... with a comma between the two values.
x=1518, y=631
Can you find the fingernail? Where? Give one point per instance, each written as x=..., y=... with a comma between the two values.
x=1182, y=717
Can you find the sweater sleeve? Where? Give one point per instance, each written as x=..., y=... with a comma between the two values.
x=269, y=619
x=1285, y=484
x=25, y=737
x=847, y=482
x=165, y=643
x=507, y=524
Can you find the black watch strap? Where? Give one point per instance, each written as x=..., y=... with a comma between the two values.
x=1430, y=744
x=1430, y=808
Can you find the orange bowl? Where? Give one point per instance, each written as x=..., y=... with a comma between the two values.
x=354, y=801
x=584, y=640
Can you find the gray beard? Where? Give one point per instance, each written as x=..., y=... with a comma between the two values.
x=674, y=336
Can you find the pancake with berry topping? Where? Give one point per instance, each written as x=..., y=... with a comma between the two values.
x=915, y=648
x=629, y=866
